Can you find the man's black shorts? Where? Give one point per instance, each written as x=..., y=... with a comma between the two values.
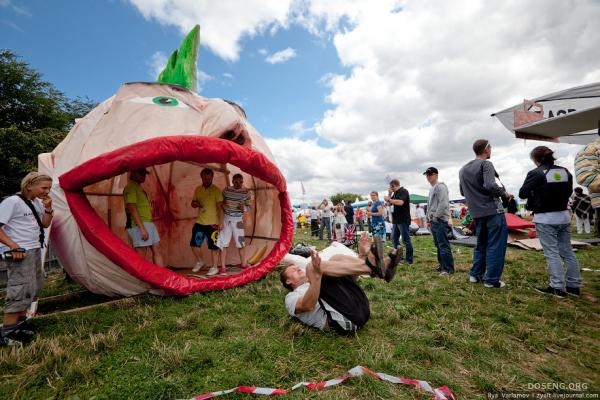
x=200, y=233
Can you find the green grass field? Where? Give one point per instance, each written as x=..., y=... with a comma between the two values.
x=438, y=329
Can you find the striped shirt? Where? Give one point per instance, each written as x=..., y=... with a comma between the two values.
x=235, y=201
x=587, y=170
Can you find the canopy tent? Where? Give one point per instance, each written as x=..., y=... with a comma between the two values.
x=171, y=131
x=568, y=116
x=413, y=199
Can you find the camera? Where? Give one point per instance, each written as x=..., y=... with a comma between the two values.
x=8, y=255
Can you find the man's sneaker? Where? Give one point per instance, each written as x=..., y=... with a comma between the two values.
x=574, y=291
x=21, y=335
x=554, y=292
x=8, y=342
x=391, y=267
x=445, y=273
x=223, y=271
x=495, y=285
x=474, y=279
x=212, y=271
x=379, y=269
x=439, y=268
x=198, y=266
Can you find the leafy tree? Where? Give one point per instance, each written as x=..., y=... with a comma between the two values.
x=338, y=197
x=34, y=118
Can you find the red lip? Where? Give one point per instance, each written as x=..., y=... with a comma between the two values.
x=162, y=150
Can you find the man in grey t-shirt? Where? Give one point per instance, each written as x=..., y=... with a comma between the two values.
x=484, y=198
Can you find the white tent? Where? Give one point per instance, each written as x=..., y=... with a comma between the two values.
x=568, y=116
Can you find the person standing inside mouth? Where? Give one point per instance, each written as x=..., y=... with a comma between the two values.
x=207, y=199
x=140, y=228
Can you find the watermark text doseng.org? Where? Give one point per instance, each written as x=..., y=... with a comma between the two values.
x=579, y=386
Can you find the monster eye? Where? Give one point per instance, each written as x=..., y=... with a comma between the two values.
x=164, y=101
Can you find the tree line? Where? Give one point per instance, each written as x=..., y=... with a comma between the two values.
x=34, y=118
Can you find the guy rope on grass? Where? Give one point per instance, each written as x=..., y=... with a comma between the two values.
x=440, y=393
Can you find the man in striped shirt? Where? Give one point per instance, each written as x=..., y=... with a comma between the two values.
x=236, y=201
x=587, y=173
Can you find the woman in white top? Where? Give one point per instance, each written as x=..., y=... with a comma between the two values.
x=339, y=222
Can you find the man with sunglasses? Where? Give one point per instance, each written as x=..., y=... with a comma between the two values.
x=484, y=197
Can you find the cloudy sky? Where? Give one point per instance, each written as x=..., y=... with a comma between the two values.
x=346, y=92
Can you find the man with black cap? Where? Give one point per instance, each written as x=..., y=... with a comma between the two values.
x=438, y=210
x=399, y=198
x=587, y=173
x=141, y=229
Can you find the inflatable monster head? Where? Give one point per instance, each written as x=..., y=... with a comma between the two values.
x=168, y=129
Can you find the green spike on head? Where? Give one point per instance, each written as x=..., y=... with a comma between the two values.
x=181, y=67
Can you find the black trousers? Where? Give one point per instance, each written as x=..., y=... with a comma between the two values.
x=314, y=227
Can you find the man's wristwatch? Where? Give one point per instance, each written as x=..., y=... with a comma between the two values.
x=51, y=211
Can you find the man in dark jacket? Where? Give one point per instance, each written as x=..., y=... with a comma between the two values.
x=484, y=198
x=547, y=189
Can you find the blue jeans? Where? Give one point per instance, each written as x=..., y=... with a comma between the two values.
x=488, y=256
x=439, y=231
x=403, y=229
x=325, y=223
x=556, y=242
x=361, y=226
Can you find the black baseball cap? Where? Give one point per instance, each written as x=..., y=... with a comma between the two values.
x=430, y=171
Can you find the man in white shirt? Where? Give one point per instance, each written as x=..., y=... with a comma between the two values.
x=327, y=295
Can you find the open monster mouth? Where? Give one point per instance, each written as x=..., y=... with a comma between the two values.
x=162, y=150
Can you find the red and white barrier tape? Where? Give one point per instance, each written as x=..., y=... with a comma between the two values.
x=440, y=393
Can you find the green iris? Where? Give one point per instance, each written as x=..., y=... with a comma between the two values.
x=165, y=101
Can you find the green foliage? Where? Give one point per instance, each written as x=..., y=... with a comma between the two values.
x=18, y=153
x=34, y=118
x=338, y=197
x=181, y=67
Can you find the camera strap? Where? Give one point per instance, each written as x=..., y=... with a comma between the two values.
x=37, y=218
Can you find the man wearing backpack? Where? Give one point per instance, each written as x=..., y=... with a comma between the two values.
x=23, y=218
x=326, y=295
x=547, y=189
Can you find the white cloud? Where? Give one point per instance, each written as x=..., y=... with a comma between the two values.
x=281, y=56
x=424, y=77
x=298, y=128
x=227, y=75
x=223, y=23
x=156, y=64
x=14, y=8
x=424, y=81
x=263, y=52
x=203, y=78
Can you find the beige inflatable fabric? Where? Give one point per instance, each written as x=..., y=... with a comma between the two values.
x=135, y=114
